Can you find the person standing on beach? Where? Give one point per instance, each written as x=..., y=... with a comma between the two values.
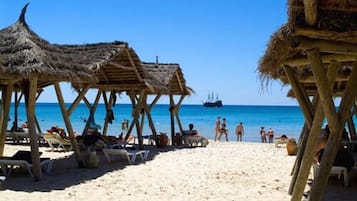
x=218, y=129
x=224, y=129
x=270, y=135
x=239, y=131
x=263, y=135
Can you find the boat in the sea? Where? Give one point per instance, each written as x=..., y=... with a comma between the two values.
x=213, y=102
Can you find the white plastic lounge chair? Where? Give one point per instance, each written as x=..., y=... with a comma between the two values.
x=55, y=141
x=7, y=165
x=131, y=155
x=335, y=170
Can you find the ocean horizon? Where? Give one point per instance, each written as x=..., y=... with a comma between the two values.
x=286, y=120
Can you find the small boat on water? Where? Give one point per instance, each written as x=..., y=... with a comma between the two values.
x=213, y=102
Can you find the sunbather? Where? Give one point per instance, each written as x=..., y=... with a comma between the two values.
x=343, y=158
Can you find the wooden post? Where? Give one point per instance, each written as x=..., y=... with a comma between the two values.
x=108, y=107
x=301, y=96
x=5, y=109
x=331, y=149
x=78, y=99
x=148, y=114
x=177, y=114
x=67, y=121
x=309, y=152
x=92, y=108
x=140, y=111
x=30, y=101
x=172, y=120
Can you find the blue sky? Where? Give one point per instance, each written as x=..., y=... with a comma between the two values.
x=218, y=43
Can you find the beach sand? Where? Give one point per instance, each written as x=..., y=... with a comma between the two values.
x=221, y=171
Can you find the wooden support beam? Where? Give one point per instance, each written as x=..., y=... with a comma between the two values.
x=349, y=36
x=331, y=149
x=310, y=12
x=108, y=107
x=148, y=114
x=309, y=151
x=30, y=101
x=178, y=105
x=179, y=81
x=303, y=61
x=68, y=124
x=92, y=108
x=81, y=94
x=172, y=120
x=133, y=65
x=326, y=46
x=301, y=95
x=322, y=85
x=4, y=116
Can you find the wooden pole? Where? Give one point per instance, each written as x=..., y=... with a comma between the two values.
x=30, y=101
x=301, y=96
x=92, y=108
x=148, y=114
x=331, y=149
x=5, y=110
x=108, y=107
x=67, y=121
x=140, y=111
x=178, y=105
x=81, y=94
x=172, y=120
x=304, y=170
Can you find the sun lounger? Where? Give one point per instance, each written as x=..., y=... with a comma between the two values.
x=194, y=140
x=7, y=165
x=23, y=159
x=20, y=136
x=335, y=170
x=130, y=155
x=55, y=141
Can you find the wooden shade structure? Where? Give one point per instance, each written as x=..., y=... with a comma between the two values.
x=172, y=82
x=31, y=63
x=122, y=72
x=315, y=53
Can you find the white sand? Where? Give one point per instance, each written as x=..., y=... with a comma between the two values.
x=221, y=171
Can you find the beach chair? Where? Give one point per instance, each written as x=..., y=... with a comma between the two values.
x=130, y=155
x=335, y=170
x=55, y=141
x=22, y=159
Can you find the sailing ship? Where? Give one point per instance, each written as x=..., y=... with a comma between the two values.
x=212, y=102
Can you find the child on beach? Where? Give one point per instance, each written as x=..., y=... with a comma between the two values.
x=239, y=131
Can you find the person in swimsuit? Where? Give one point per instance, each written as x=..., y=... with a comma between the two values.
x=239, y=131
x=270, y=135
x=224, y=129
x=263, y=135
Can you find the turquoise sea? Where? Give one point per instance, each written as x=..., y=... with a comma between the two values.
x=286, y=120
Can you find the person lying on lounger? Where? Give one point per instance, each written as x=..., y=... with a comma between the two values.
x=343, y=158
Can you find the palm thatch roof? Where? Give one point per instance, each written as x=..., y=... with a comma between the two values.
x=121, y=71
x=169, y=76
x=334, y=31
x=27, y=55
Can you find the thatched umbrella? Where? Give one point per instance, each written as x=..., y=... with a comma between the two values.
x=170, y=76
x=31, y=63
x=320, y=36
